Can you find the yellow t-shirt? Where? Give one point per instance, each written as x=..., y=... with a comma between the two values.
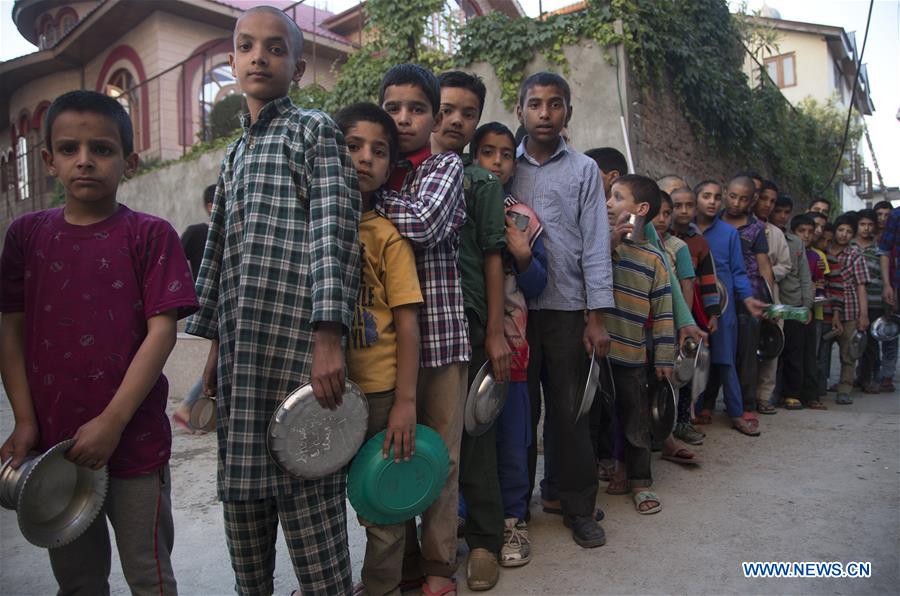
x=818, y=311
x=388, y=279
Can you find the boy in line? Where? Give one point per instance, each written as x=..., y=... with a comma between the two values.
x=482, y=240
x=782, y=211
x=820, y=205
x=848, y=268
x=278, y=287
x=676, y=250
x=865, y=243
x=799, y=354
x=564, y=189
x=427, y=207
x=525, y=267
x=706, y=307
x=889, y=250
x=738, y=199
x=888, y=348
x=780, y=262
x=90, y=295
x=642, y=292
x=193, y=241
x=725, y=246
x=383, y=350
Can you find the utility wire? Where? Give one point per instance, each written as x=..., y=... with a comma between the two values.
x=840, y=157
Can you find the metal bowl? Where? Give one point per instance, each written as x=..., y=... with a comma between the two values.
x=685, y=363
x=886, y=328
x=203, y=414
x=308, y=441
x=771, y=340
x=55, y=500
x=484, y=401
x=857, y=346
x=701, y=372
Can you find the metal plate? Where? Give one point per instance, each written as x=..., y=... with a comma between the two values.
x=701, y=372
x=886, y=328
x=723, y=294
x=590, y=387
x=771, y=340
x=857, y=346
x=663, y=408
x=685, y=362
x=56, y=500
x=203, y=414
x=308, y=441
x=484, y=401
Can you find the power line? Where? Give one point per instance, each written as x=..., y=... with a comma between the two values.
x=840, y=157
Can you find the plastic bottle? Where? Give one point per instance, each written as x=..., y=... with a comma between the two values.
x=791, y=313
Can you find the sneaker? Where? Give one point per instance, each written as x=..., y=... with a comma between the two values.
x=516, y=549
x=686, y=432
x=585, y=531
x=887, y=386
x=482, y=570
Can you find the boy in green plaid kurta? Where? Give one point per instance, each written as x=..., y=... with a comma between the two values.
x=277, y=288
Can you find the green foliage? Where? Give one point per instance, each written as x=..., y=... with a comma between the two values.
x=310, y=97
x=224, y=116
x=396, y=33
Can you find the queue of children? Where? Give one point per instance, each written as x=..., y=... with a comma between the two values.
x=404, y=245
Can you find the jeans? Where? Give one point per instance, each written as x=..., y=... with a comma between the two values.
x=888, y=359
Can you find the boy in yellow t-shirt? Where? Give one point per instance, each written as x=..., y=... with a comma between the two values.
x=383, y=352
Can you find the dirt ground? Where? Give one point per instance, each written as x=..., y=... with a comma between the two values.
x=816, y=486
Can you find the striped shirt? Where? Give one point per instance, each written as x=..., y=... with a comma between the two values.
x=641, y=290
x=705, y=270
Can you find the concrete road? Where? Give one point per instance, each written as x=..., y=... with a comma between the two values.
x=816, y=486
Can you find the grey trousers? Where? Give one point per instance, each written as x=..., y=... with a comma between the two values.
x=140, y=512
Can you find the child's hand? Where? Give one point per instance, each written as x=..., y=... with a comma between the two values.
x=837, y=325
x=862, y=323
x=664, y=372
x=497, y=350
x=713, y=324
x=95, y=442
x=517, y=243
x=693, y=332
x=328, y=365
x=21, y=440
x=755, y=306
x=620, y=230
x=401, y=431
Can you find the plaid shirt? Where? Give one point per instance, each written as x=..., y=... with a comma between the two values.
x=282, y=255
x=429, y=210
x=850, y=267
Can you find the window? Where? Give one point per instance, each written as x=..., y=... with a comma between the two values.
x=121, y=87
x=782, y=69
x=48, y=33
x=218, y=83
x=22, y=174
x=67, y=22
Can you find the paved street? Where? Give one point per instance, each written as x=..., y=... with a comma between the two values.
x=816, y=486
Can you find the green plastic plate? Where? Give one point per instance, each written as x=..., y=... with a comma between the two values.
x=384, y=492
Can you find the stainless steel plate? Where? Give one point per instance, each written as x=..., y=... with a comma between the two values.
x=701, y=372
x=857, y=345
x=771, y=340
x=55, y=500
x=886, y=328
x=685, y=362
x=723, y=294
x=203, y=414
x=309, y=441
x=484, y=401
x=590, y=388
x=662, y=408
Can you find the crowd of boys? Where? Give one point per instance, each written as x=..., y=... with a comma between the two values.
x=404, y=245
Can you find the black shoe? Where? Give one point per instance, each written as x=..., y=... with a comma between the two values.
x=585, y=531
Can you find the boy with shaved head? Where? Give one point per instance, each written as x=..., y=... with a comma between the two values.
x=277, y=289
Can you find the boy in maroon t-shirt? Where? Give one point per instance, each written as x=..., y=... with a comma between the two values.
x=90, y=294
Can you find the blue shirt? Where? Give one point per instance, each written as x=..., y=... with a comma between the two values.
x=725, y=246
x=566, y=194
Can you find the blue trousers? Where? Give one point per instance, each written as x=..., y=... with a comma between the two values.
x=724, y=376
x=513, y=440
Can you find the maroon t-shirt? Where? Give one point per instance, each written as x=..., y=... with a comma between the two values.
x=86, y=293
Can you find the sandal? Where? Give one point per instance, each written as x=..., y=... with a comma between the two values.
x=791, y=403
x=744, y=427
x=843, y=399
x=766, y=408
x=554, y=507
x=816, y=405
x=646, y=496
x=450, y=587
x=682, y=456
x=617, y=487
x=704, y=417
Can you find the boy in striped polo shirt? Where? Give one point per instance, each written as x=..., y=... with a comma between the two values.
x=641, y=291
